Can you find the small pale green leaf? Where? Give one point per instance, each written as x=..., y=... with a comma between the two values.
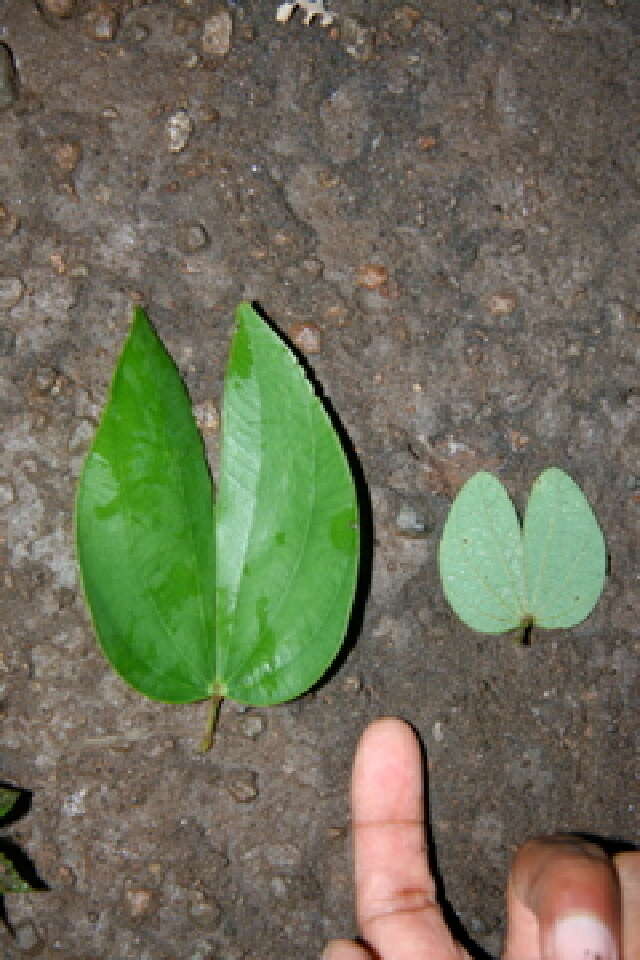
x=10, y=879
x=564, y=552
x=287, y=525
x=144, y=528
x=497, y=577
x=480, y=557
x=8, y=799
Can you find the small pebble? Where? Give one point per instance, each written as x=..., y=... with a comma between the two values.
x=243, y=786
x=313, y=267
x=357, y=39
x=410, y=523
x=502, y=304
x=58, y=8
x=179, y=128
x=216, y=34
x=203, y=909
x=207, y=417
x=372, y=275
x=253, y=725
x=138, y=901
x=504, y=16
x=26, y=937
x=66, y=154
x=11, y=290
x=9, y=222
x=66, y=876
x=427, y=143
x=406, y=18
x=102, y=22
x=352, y=683
x=306, y=337
x=58, y=263
x=7, y=494
x=137, y=32
x=8, y=82
x=517, y=440
x=191, y=236
x=438, y=732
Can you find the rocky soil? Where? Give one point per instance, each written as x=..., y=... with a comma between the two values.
x=439, y=203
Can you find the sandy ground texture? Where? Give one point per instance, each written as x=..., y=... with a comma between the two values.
x=439, y=203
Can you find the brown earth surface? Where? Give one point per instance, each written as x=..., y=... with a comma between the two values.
x=439, y=203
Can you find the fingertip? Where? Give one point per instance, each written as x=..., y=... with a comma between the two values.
x=387, y=772
x=344, y=950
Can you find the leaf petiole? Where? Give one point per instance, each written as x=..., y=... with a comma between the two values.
x=213, y=712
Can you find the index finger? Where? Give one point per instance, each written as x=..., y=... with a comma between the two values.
x=395, y=891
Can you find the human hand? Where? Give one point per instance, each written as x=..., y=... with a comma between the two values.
x=566, y=900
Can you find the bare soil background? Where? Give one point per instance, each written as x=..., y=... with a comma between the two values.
x=438, y=202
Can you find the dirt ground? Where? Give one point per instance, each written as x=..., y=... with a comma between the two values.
x=439, y=203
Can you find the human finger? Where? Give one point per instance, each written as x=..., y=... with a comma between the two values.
x=628, y=868
x=345, y=950
x=396, y=900
x=563, y=902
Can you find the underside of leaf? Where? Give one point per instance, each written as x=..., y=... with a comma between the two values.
x=480, y=557
x=499, y=578
x=564, y=552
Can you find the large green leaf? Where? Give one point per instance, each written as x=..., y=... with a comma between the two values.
x=144, y=525
x=498, y=578
x=262, y=621
x=287, y=525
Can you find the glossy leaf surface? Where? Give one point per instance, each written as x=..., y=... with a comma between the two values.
x=144, y=527
x=287, y=525
x=498, y=578
x=255, y=606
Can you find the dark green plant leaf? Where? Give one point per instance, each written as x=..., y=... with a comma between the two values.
x=8, y=799
x=263, y=622
x=144, y=527
x=498, y=578
x=287, y=525
x=10, y=879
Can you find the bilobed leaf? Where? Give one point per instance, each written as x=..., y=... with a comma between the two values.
x=481, y=557
x=8, y=799
x=262, y=621
x=144, y=528
x=498, y=578
x=564, y=552
x=287, y=525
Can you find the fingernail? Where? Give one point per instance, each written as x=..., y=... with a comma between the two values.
x=581, y=936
